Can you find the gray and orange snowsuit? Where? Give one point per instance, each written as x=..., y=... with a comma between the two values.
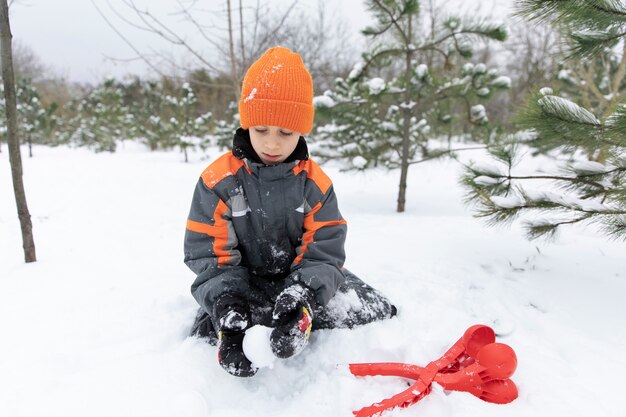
x=254, y=229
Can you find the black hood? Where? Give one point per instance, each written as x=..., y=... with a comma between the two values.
x=242, y=148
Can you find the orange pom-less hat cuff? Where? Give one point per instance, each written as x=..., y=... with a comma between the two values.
x=277, y=91
x=287, y=114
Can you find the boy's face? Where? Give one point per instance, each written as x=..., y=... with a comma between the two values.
x=273, y=144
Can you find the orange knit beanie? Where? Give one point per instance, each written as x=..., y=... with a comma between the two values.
x=277, y=91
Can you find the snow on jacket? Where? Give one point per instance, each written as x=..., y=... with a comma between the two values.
x=271, y=221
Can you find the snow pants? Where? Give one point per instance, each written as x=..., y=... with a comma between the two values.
x=355, y=303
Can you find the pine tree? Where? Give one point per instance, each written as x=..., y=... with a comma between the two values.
x=388, y=118
x=187, y=128
x=36, y=123
x=592, y=183
x=366, y=126
x=149, y=109
x=224, y=129
x=100, y=119
x=596, y=83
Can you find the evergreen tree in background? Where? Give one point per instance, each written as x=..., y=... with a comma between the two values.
x=590, y=187
x=366, y=128
x=148, y=108
x=388, y=118
x=187, y=129
x=36, y=123
x=224, y=129
x=141, y=111
x=100, y=119
x=596, y=82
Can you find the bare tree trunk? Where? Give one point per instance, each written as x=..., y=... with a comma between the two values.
x=406, y=114
x=15, y=159
x=243, y=49
x=433, y=28
x=231, y=45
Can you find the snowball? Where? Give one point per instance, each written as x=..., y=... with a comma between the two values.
x=256, y=346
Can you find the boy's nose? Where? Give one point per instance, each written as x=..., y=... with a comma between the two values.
x=271, y=144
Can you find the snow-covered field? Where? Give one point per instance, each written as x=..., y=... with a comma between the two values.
x=97, y=327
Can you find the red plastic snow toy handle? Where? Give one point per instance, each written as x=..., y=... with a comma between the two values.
x=474, y=364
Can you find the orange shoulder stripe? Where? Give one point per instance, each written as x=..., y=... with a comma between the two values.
x=310, y=227
x=224, y=166
x=219, y=233
x=315, y=173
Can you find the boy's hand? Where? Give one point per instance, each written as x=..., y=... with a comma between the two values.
x=293, y=319
x=231, y=313
x=233, y=318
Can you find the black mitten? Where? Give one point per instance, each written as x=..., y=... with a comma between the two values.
x=233, y=318
x=292, y=320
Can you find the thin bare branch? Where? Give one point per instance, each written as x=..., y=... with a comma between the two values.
x=243, y=49
x=126, y=41
x=198, y=26
x=127, y=21
x=231, y=49
x=175, y=38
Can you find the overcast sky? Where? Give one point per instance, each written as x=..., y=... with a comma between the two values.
x=73, y=39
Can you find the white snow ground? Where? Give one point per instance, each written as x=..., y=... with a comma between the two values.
x=97, y=327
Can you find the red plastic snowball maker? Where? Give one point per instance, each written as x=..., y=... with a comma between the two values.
x=474, y=364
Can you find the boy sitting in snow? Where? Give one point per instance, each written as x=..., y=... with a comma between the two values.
x=264, y=235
